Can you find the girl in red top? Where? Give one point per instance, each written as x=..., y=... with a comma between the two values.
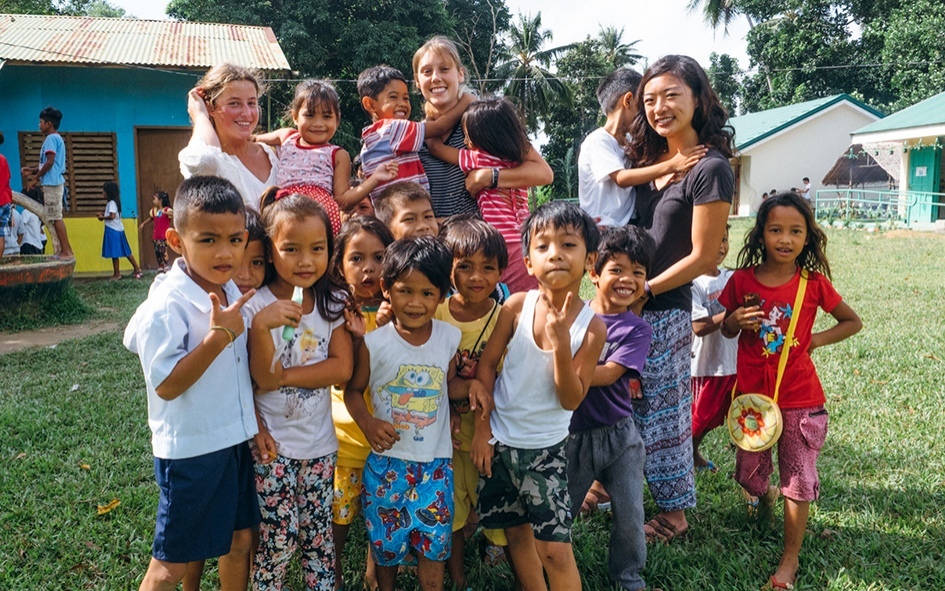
x=161, y=216
x=759, y=298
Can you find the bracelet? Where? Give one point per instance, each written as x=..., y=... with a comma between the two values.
x=228, y=331
x=648, y=291
x=495, y=178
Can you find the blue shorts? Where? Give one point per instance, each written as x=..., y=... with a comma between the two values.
x=203, y=500
x=408, y=506
x=6, y=212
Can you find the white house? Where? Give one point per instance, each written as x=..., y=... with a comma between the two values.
x=777, y=148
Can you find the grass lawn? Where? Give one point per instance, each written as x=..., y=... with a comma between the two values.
x=74, y=436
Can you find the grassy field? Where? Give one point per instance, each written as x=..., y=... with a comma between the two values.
x=74, y=437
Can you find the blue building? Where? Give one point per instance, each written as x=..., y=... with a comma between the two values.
x=122, y=86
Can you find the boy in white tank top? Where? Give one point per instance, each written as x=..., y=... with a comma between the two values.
x=553, y=341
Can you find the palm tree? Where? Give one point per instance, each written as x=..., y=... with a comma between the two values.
x=716, y=12
x=530, y=84
x=617, y=53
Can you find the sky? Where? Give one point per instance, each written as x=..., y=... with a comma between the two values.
x=662, y=26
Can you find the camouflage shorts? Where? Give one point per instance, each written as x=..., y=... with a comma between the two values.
x=528, y=486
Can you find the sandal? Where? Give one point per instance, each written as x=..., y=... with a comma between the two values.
x=709, y=466
x=138, y=275
x=663, y=530
x=774, y=584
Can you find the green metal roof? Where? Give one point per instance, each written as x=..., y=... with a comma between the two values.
x=754, y=127
x=931, y=111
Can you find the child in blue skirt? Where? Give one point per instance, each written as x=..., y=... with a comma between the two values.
x=115, y=244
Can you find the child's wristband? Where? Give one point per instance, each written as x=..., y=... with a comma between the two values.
x=228, y=331
x=495, y=178
x=648, y=291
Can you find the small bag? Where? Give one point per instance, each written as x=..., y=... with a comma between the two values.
x=754, y=420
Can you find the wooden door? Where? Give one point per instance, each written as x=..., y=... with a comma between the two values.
x=157, y=168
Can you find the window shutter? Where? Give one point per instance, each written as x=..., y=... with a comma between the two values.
x=91, y=161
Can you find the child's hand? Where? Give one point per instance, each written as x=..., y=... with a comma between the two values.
x=384, y=314
x=686, y=159
x=385, y=172
x=744, y=318
x=354, y=323
x=480, y=399
x=380, y=434
x=482, y=451
x=278, y=313
x=266, y=446
x=636, y=388
x=230, y=317
x=455, y=422
x=556, y=322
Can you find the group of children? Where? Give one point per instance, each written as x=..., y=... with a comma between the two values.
x=387, y=373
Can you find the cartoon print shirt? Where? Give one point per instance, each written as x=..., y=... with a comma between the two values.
x=408, y=389
x=299, y=419
x=759, y=352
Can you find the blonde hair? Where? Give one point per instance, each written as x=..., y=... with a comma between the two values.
x=215, y=80
x=445, y=48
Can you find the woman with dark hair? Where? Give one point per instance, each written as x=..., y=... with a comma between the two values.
x=685, y=213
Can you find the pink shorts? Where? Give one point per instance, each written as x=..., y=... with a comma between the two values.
x=711, y=397
x=805, y=430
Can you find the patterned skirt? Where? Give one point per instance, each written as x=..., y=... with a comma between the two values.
x=664, y=414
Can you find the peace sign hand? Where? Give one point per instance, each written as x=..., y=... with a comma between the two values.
x=556, y=321
x=230, y=318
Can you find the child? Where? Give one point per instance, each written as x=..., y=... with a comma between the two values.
x=605, y=179
x=497, y=139
x=6, y=198
x=713, y=357
x=479, y=257
x=407, y=497
x=296, y=447
x=34, y=240
x=309, y=164
x=406, y=209
x=200, y=398
x=392, y=137
x=605, y=445
x=114, y=243
x=359, y=253
x=784, y=243
x=160, y=215
x=553, y=342
x=52, y=163
x=253, y=271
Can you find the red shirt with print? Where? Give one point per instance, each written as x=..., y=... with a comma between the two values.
x=760, y=351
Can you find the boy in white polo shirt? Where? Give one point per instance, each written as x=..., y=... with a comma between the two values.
x=190, y=337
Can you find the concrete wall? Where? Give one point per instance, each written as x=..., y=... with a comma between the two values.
x=93, y=99
x=808, y=149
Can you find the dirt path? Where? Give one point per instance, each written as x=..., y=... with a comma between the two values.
x=52, y=335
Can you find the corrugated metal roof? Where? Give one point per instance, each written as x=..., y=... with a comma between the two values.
x=931, y=111
x=754, y=127
x=123, y=41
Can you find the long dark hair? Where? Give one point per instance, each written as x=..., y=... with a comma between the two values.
x=350, y=229
x=494, y=125
x=710, y=119
x=813, y=256
x=112, y=193
x=330, y=295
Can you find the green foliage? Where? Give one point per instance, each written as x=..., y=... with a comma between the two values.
x=34, y=311
x=478, y=29
x=531, y=85
x=724, y=75
x=63, y=7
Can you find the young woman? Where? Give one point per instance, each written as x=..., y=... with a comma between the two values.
x=686, y=214
x=224, y=108
x=439, y=74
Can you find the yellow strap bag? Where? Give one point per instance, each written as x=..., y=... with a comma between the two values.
x=754, y=420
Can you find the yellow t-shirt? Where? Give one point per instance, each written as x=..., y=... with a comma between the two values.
x=475, y=334
x=353, y=448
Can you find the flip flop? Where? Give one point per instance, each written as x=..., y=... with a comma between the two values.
x=663, y=530
x=709, y=466
x=774, y=584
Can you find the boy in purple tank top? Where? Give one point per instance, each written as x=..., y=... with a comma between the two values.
x=605, y=445
x=553, y=342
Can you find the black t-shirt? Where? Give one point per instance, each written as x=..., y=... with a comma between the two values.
x=667, y=216
x=447, y=181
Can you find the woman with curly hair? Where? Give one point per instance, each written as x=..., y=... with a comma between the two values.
x=686, y=214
